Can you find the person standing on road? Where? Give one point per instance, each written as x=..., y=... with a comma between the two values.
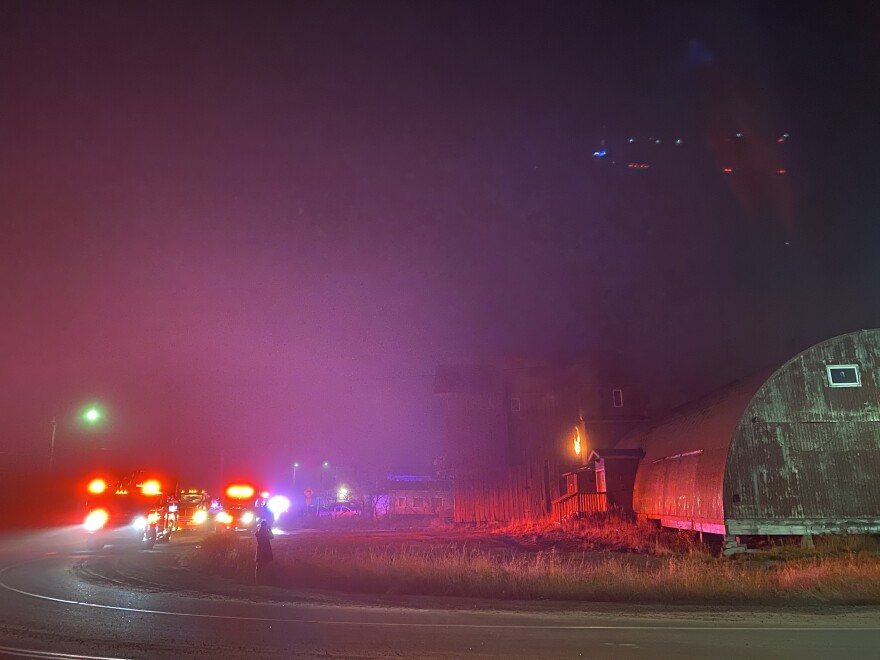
x=264, y=550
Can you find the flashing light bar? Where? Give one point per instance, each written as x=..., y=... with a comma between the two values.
x=151, y=487
x=97, y=486
x=240, y=491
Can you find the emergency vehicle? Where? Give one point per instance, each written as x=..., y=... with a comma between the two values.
x=193, y=508
x=133, y=510
x=243, y=507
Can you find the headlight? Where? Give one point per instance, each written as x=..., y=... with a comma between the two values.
x=278, y=505
x=139, y=523
x=224, y=518
x=200, y=516
x=247, y=518
x=96, y=520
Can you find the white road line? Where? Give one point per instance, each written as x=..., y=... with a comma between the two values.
x=410, y=624
x=31, y=653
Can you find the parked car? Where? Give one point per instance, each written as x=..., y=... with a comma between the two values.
x=341, y=511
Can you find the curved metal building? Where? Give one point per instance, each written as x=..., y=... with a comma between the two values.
x=795, y=451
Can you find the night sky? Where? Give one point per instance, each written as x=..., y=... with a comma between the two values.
x=257, y=228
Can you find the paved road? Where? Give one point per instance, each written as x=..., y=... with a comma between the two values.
x=57, y=601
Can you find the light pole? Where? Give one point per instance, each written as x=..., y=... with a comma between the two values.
x=52, y=443
x=295, y=466
x=91, y=415
x=321, y=490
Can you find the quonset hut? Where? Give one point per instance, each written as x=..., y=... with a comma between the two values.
x=792, y=452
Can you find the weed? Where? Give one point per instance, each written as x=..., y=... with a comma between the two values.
x=497, y=566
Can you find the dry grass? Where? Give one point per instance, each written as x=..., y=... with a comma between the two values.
x=608, y=533
x=516, y=564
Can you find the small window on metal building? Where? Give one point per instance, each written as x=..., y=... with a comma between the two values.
x=617, y=398
x=515, y=404
x=843, y=375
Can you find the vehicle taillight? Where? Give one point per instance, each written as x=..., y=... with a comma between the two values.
x=96, y=520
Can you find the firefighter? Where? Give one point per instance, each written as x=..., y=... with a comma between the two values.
x=264, y=549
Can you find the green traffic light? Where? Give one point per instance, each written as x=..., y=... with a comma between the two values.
x=92, y=415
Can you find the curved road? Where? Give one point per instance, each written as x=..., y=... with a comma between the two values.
x=57, y=601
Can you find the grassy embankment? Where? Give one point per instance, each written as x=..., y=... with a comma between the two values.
x=599, y=560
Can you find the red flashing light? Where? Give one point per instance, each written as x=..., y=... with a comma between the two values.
x=240, y=491
x=151, y=487
x=728, y=170
x=97, y=486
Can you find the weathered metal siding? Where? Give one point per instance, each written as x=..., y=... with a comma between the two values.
x=805, y=457
x=506, y=493
x=680, y=481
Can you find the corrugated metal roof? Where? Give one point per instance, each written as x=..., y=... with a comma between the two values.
x=807, y=455
x=775, y=453
x=682, y=473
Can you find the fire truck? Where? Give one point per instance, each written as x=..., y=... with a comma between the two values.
x=136, y=509
x=243, y=507
x=193, y=508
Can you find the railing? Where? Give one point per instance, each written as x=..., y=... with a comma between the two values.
x=571, y=505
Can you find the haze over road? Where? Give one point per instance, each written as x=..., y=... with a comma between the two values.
x=123, y=603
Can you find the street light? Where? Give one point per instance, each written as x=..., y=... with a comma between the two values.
x=295, y=466
x=321, y=498
x=91, y=415
x=52, y=443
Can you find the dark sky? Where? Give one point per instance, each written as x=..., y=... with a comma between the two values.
x=262, y=225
